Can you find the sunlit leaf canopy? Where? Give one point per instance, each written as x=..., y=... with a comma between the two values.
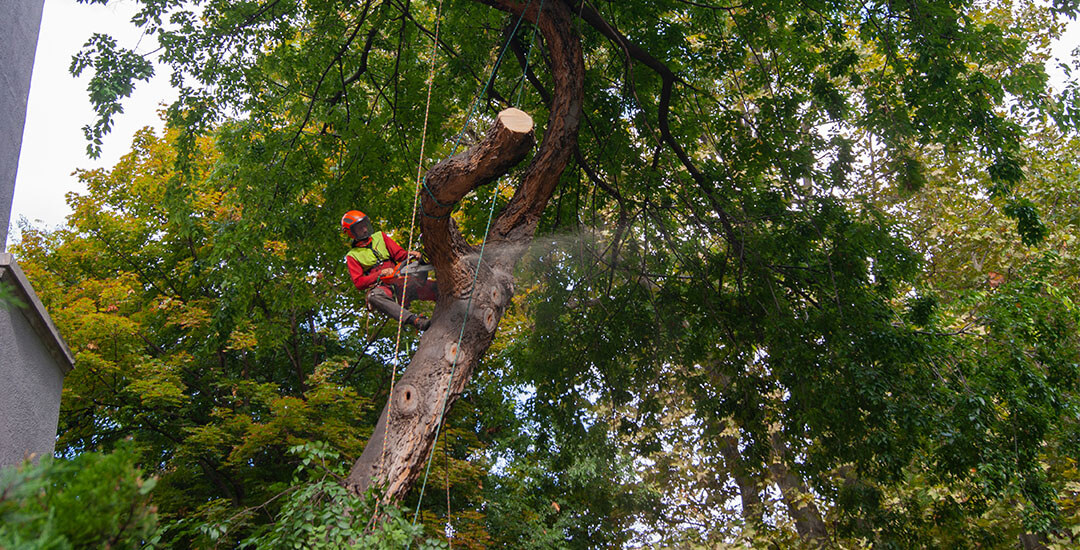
x=751, y=312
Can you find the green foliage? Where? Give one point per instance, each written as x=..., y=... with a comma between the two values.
x=214, y=387
x=115, y=72
x=910, y=174
x=215, y=336
x=91, y=501
x=317, y=512
x=921, y=309
x=820, y=288
x=1028, y=225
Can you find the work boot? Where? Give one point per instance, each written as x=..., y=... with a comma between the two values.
x=420, y=322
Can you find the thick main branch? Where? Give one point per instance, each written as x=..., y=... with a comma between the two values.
x=463, y=324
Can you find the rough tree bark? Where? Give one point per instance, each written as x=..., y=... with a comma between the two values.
x=410, y=419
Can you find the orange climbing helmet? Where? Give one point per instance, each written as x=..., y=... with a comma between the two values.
x=356, y=225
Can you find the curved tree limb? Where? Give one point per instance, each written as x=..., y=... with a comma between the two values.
x=668, y=80
x=518, y=220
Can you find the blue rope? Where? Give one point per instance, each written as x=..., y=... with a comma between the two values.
x=457, y=353
x=423, y=212
x=438, y=203
x=479, y=260
x=476, y=100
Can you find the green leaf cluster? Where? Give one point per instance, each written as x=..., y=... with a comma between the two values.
x=93, y=500
x=316, y=512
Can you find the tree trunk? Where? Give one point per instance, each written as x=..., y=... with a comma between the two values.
x=749, y=498
x=1033, y=541
x=437, y=374
x=793, y=490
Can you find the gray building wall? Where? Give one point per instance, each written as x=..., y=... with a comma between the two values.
x=19, y=23
x=33, y=357
x=30, y=394
x=33, y=362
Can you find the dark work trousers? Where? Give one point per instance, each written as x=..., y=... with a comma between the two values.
x=385, y=298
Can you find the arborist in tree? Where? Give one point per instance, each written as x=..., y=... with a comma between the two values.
x=379, y=265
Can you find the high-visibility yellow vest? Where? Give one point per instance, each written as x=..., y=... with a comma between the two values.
x=371, y=255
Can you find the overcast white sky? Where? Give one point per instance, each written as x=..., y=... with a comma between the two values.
x=53, y=145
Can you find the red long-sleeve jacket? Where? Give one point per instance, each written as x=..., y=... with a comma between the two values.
x=367, y=276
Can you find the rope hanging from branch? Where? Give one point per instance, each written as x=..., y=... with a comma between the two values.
x=421, y=182
x=412, y=227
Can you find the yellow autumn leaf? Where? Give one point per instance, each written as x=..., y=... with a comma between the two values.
x=277, y=248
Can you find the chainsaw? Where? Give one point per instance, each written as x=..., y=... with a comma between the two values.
x=411, y=267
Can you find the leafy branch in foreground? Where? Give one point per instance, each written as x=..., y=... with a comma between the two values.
x=92, y=501
x=318, y=512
